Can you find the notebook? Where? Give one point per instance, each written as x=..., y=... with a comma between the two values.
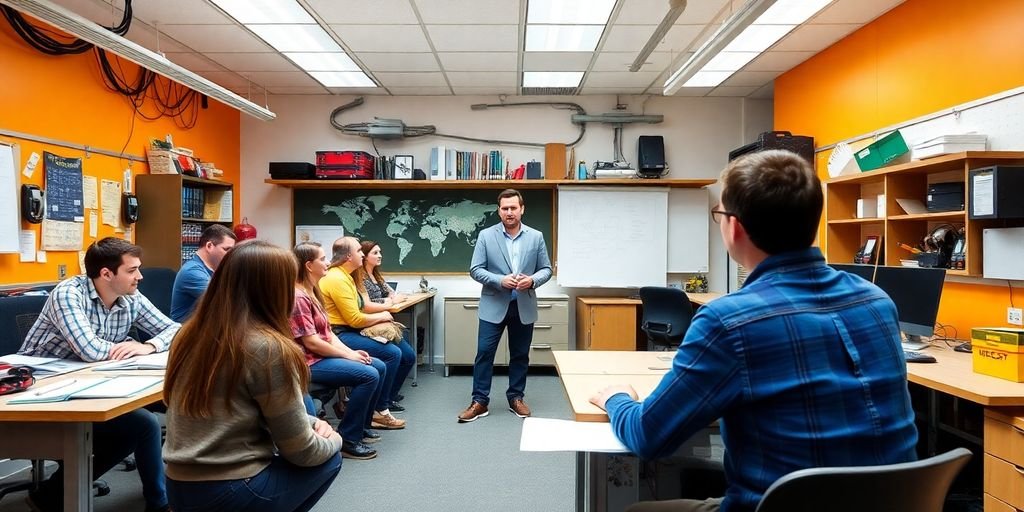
x=44, y=366
x=121, y=386
x=157, y=361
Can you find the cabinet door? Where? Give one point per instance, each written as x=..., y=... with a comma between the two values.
x=612, y=327
x=460, y=328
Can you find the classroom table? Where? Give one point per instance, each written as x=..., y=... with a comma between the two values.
x=417, y=303
x=63, y=431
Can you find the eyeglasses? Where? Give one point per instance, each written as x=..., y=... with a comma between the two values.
x=716, y=214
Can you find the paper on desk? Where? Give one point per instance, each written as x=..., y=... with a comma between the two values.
x=156, y=361
x=119, y=387
x=22, y=360
x=551, y=435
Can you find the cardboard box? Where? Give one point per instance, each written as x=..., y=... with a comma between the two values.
x=890, y=149
x=997, y=352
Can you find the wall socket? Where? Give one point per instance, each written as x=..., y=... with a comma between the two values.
x=62, y=271
x=1014, y=317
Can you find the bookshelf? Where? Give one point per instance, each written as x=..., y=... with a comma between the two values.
x=844, y=233
x=479, y=184
x=174, y=209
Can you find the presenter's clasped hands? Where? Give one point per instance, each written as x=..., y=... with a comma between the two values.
x=517, y=282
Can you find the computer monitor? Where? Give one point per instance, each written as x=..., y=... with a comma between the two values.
x=867, y=272
x=916, y=293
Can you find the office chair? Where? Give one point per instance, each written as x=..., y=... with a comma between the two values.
x=666, y=317
x=908, y=487
x=157, y=285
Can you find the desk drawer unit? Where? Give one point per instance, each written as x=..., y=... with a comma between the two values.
x=550, y=332
x=1004, y=459
x=995, y=505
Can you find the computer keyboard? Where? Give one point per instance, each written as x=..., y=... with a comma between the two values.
x=917, y=357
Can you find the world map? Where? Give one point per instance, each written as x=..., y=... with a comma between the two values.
x=411, y=222
x=419, y=229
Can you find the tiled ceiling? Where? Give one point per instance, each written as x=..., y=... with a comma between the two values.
x=466, y=47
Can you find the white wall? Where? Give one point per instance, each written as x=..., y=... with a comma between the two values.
x=699, y=133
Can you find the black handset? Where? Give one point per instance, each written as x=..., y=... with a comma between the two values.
x=129, y=208
x=32, y=204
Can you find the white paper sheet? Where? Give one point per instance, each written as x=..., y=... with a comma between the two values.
x=119, y=387
x=27, y=245
x=93, y=224
x=983, y=190
x=89, y=198
x=59, y=235
x=111, y=200
x=551, y=435
x=30, y=165
x=157, y=361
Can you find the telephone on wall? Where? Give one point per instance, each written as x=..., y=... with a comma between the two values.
x=129, y=208
x=32, y=204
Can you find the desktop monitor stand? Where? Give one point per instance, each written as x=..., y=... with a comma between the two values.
x=915, y=342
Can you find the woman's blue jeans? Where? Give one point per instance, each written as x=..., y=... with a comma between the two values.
x=281, y=486
x=398, y=357
x=367, y=382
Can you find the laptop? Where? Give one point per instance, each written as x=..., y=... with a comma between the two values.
x=393, y=285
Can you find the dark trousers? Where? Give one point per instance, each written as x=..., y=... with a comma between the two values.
x=398, y=358
x=135, y=432
x=281, y=486
x=366, y=382
x=519, y=338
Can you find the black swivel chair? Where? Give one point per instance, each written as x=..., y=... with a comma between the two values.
x=666, y=317
x=908, y=487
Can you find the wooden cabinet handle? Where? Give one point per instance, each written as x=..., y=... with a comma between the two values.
x=535, y=326
x=470, y=306
x=541, y=347
x=1018, y=429
x=545, y=306
x=1018, y=469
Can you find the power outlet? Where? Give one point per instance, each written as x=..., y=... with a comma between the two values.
x=62, y=271
x=1014, y=316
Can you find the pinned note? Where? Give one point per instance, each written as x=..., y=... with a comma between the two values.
x=30, y=165
x=93, y=224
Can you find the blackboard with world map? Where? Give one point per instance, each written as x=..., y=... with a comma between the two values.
x=419, y=230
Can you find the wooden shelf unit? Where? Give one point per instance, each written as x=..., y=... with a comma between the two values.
x=844, y=233
x=478, y=184
x=159, y=228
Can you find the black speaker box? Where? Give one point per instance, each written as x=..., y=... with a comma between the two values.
x=799, y=144
x=650, y=155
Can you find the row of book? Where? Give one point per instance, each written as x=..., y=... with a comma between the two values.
x=452, y=164
x=193, y=202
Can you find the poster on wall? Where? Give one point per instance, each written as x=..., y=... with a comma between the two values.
x=60, y=235
x=63, y=188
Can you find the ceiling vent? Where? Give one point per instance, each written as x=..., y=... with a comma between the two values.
x=548, y=91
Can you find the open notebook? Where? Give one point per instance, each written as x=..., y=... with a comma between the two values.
x=157, y=361
x=122, y=386
x=44, y=366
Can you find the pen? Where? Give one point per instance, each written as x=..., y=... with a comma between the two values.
x=657, y=367
x=55, y=388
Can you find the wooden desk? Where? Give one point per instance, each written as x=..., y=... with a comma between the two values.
x=953, y=375
x=610, y=323
x=612, y=362
x=63, y=431
x=418, y=302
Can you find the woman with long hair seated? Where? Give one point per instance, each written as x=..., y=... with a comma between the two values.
x=331, y=362
x=238, y=435
x=378, y=296
x=344, y=310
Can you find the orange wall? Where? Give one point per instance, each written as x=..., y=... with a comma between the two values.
x=920, y=57
x=64, y=98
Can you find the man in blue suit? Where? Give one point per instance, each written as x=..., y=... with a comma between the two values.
x=510, y=260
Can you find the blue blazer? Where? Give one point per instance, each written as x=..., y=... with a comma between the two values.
x=491, y=263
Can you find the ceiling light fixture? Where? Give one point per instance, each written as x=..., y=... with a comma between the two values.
x=752, y=29
x=86, y=30
x=675, y=9
x=552, y=78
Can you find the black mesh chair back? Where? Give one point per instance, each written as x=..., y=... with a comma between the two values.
x=666, y=317
x=17, y=314
x=157, y=284
x=908, y=487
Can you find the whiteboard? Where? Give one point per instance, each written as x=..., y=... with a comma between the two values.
x=8, y=200
x=688, y=230
x=612, y=237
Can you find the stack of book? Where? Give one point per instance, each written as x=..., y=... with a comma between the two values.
x=451, y=164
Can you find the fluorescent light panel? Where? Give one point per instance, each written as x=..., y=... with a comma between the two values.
x=296, y=38
x=552, y=78
x=265, y=11
x=342, y=78
x=779, y=19
x=322, y=61
x=569, y=12
x=562, y=38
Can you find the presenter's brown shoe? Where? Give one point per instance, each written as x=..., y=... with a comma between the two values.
x=519, y=407
x=474, y=411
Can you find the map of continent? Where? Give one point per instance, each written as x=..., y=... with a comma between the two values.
x=417, y=230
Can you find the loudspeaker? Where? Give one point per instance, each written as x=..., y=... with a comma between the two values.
x=650, y=155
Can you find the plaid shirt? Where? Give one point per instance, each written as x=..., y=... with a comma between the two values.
x=75, y=323
x=803, y=366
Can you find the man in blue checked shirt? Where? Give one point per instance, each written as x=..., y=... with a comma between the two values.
x=88, y=317
x=803, y=365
